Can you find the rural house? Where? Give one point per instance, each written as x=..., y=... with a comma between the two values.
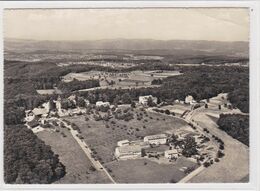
x=171, y=154
x=158, y=139
x=144, y=99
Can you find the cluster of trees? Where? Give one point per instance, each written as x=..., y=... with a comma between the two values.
x=126, y=114
x=27, y=159
x=235, y=125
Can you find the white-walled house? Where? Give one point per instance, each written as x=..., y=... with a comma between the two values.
x=101, y=103
x=158, y=139
x=144, y=99
x=171, y=154
x=123, y=143
x=128, y=152
x=190, y=100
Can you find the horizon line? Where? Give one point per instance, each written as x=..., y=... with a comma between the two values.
x=104, y=39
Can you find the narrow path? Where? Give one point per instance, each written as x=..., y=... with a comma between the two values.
x=88, y=152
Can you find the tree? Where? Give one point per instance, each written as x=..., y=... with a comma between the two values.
x=167, y=111
x=126, y=98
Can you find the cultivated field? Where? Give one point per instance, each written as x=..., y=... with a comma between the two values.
x=71, y=155
x=123, y=80
x=146, y=171
x=103, y=136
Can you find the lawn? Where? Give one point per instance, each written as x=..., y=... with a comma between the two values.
x=70, y=154
x=146, y=171
x=103, y=138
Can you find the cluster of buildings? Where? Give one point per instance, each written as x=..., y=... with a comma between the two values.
x=151, y=146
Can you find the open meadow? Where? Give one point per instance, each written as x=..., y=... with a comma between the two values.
x=71, y=155
x=146, y=171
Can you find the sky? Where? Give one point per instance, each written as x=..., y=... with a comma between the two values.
x=218, y=24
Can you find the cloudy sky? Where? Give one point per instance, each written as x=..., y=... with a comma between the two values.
x=220, y=24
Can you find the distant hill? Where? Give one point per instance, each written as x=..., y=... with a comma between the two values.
x=147, y=46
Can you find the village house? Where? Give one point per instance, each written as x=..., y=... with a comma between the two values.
x=171, y=154
x=190, y=100
x=123, y=143
x=128, y=152
x=101, y=103
x=156, y=139
x=144, y=99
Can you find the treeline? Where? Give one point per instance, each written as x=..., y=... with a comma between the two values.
x=27, y=159
x=237, y=126
x=77, y=85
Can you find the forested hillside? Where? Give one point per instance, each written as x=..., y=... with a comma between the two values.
x=27, y=159
x=237, y=126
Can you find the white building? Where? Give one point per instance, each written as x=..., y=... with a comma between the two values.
x=128, y=152
x=158, y=139
x=123, y=143
x=144, y=99
x=189, y=99
x=40, y=111
x=171, y=154
x=46, y=105
x=101, y=103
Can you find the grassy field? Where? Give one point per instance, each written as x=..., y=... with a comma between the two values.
x=70, y=154
x=103, y=136
x=130, y=79
x=146, y=171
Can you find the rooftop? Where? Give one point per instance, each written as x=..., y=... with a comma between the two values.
x=158, y=136
x=39, y=111
x=129, y=148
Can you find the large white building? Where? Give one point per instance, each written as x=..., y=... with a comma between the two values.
x=158, y=139
x=144, y=99
x=128, y=152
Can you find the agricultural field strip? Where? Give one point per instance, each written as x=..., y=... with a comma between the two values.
x=87, y=151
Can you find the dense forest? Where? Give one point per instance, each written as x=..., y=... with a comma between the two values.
x=27, y=159
x=237, y=126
